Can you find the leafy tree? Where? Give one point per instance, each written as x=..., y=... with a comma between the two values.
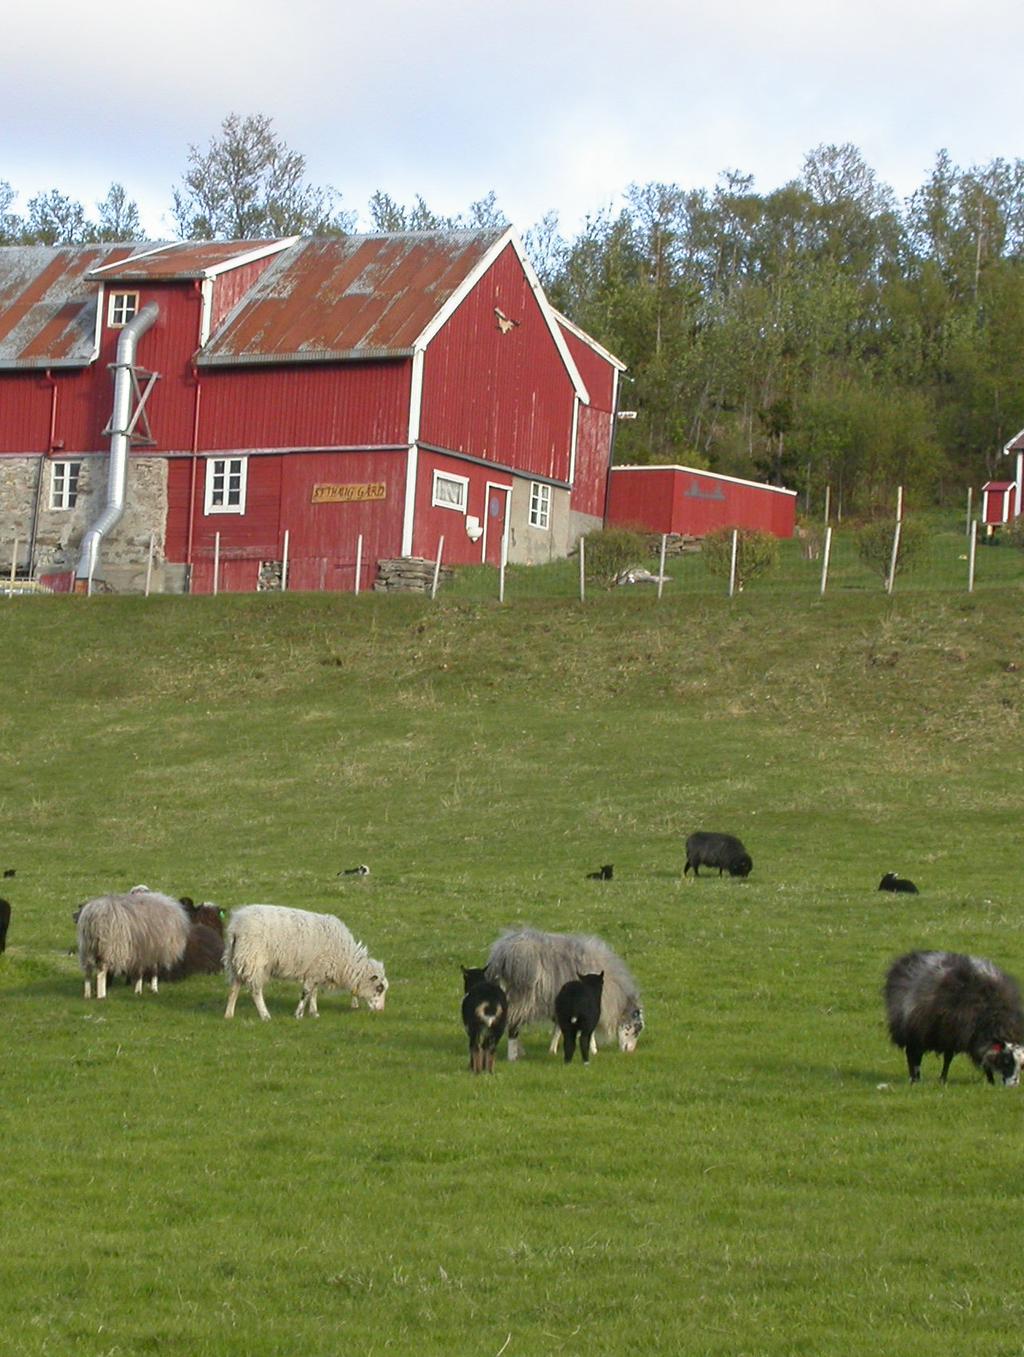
x=10, y=223
x=248, y=184
x=875, y=543
x=55, y=219
x=118, y=217
x=757, y=553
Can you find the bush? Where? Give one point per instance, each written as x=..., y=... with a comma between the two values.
x=757, y=553
x=613, y=550
x=874, y=545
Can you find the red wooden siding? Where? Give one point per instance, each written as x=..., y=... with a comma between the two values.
x=305, y=405
x=682, y=500
x=231, y=286
x=434, y=520
x=507, y=397
x=997, y=501
x=322, y=537
x=593, y=448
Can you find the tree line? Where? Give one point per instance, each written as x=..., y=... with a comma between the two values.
x=822, y=334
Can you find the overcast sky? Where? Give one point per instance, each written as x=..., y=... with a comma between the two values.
x=553, y=104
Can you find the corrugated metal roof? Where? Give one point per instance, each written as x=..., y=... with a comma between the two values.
x=48, y=303
x=357, y=296
x=186, y=259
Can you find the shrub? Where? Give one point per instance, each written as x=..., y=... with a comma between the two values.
x=757, y=553
x=612, y=550
x=874, y=545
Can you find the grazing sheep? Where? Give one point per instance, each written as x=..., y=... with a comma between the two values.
x=948, y=1003
x=532, y=967
x=267, y=942
x=604, y=873
x=892, y=882
x=5, y=919
x=207, y=914
x=484, y=1015
x=724, y=851
x=578, y=1011
x=203, y=955
x=140, y=933
x=361, y=870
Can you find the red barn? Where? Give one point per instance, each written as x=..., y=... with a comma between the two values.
x=231, y=398
x=681, y=499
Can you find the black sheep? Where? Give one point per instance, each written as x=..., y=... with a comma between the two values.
x=5, y=919
x=578, y=1013
x=892, y=882
x=484, y=1016
x=949, y=1003
x=203, y=955
x=723, y=851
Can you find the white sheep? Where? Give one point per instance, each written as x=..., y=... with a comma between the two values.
x=265, y=942
x=140, y=933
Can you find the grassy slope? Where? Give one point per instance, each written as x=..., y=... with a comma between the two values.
x=757, y=1179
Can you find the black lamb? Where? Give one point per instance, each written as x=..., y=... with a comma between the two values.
x=723, y=851
x=892, y=882
x=484, y=1016
x=949, y=1003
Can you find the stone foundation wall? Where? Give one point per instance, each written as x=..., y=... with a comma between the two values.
x=25, y=493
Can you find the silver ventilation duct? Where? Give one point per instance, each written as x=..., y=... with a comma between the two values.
x=120, y=439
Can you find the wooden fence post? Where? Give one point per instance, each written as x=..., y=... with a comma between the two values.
x=971, y=557
x=891, y=579
x=149, y=564
x=732, y=561
x=826, y=551
x=661, y=562
x=583, y=570
x=284, y=559
x=437, y=568
x=216, y=563
x=359, y=562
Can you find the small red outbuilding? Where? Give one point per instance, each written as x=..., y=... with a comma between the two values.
x=692, y=502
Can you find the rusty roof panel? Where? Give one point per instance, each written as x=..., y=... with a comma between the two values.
x=350, y=297
x=48, y=304
x=184, y=260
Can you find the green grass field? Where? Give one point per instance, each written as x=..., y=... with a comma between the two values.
x=759, y=1178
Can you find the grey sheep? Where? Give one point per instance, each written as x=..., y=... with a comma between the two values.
x=140, y=933
x=950, y=1003
x=532, y=967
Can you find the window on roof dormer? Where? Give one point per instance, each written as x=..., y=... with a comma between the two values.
x=123, y=305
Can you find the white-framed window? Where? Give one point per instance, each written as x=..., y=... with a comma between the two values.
x=450, y=492
x=123, y=305
x=225, y=485
x=540, y=505
x=64, y=484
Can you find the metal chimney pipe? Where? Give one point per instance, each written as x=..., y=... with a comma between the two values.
x=120, y=442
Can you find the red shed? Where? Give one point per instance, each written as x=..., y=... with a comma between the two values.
x=998, y=503
x=692, y=502
x=319, y=398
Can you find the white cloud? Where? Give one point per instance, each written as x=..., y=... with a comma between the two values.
x=553, y=106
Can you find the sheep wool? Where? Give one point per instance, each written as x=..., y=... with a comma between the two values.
x=140, y=933
x=271, y=942
x=532, y=967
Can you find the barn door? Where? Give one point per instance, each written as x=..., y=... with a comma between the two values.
x=495, y=522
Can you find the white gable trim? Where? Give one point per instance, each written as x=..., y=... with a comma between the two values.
x=589, y=341
x=250, y=257
x=442, y=316
x=711, y=475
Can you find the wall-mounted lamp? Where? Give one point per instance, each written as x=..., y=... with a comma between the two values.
x=473, y=529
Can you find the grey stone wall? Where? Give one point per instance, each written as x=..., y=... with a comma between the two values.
x=25, y=490
x=533, y=546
